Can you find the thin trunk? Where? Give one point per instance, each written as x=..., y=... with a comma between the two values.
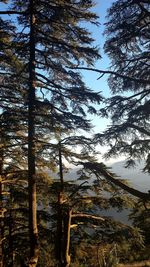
x=1, y=226
x=59, y=231
x=61, y=168
x=67, y=227
x=33, y=231
x=59, y=236
x=1, y=240
x=11, y=253
x=1, y=211
x=63, y=222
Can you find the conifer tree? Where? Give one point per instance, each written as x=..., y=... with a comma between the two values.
x=49, y=37
x=49, y=95
x=127, y=45
x=11, y=139
x=80, y=205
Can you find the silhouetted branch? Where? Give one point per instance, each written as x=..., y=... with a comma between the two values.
x=103, y=72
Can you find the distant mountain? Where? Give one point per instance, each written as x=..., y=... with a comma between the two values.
x=136, y=177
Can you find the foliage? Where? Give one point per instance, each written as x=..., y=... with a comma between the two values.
x=127, y=45
x=45, y=104
x=39, y=95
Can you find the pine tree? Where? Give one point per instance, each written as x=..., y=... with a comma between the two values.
x=10, y=133
x=127, y=45
x=43, y=47
x=79, y=206
x=48, y=41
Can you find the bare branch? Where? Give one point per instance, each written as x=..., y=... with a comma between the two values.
x=87, y=216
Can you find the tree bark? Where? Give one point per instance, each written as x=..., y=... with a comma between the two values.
x=11, y=253
x=33, y=231
x=61, y=168
x=1, y=210
x=67, y=227
x=59, y=237
x=59, y=234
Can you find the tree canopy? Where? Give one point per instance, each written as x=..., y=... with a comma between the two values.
x=127, y=45
x=44, y=105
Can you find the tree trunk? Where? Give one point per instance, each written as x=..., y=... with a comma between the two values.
x=1, y=240
x=61, y=168
x=59, y=234
x=1, y=211
x=67, y=227
x=1, y=226
x=33, y=231
x=11, y=253
x=59, y=237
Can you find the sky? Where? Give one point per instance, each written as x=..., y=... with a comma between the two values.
x=91, y=78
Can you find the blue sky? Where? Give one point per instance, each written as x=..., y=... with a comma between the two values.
x=90, y=78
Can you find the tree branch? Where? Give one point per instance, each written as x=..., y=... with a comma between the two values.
x=87, y=216
x=12, y=12
x=100, y=169
x=103, y=72
x=136, y=127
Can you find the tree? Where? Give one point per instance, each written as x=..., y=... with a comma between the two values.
x=11, y=139
x=79, y=206
x=66, y=202
x=127, y=45
x=50, y=39
x=44, y=48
